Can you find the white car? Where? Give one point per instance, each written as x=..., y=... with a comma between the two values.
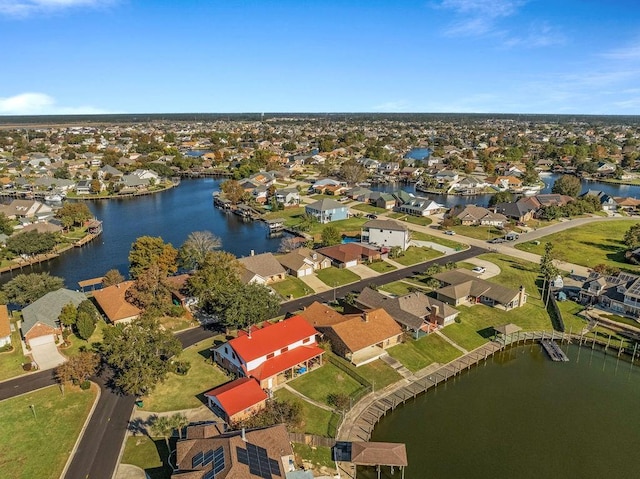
x=450, y=232
x=478, y=269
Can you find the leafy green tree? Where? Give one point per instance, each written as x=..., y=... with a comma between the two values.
x=276, y=412
x=74, y=213
x=26, y=288
x=151, y=291
x=179, y=421
x=90, y=309
x=5, y=224
x=330, y=236
x=548, y=270
x=162, y=426
x=196, y=247
x=111, y=277
x=78, y=368
x=232, y=191
x=217, y=277
x=68, y=315
x=95, y=186
x=567, y=185
x=140, y=353
x=85, y=325
x=632, y=237
x=249, y=305
x=501, y=197
x=353, y=172
x=149, y=250
x=32, y=243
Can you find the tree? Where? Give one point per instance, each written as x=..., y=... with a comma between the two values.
x=151, y=291
x=32, y=243
x=139, y=353
x=111, y=277
x=276, y=412
x=95, y=186
x=232, y=191
x=89, y=308
x=500, y=197
x=196, y=247
x=340, y=401
x=547, y=269
x=5, y=224
x=78, y=368
x=632, y=237
x=148, y=250
x=352, y=171
x=179, y=421
x=250, y=304
x=162, y=426
x=330, y=236
x=216, y=278
x=85, y=325
x=68, y=315
x=74, y=214
x=26, y=288
x=567, y=185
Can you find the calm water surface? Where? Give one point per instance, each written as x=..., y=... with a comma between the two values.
x=524, y=416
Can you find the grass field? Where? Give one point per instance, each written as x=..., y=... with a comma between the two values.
x=318, y=455
x=378, y=373
x=11, y=361
x=185, y=392
x=417, y=220
x=291, y=287
x=39, y=446
x=316, y=420
x=336, y=276
x=321, y=382
x=368, y=208
x=588, y=245
x=78, y=344
x=416, y=355
x=149, y=454
x=399, y=288
x=414, y=255
x=381, y=266
x=479, y=232
x=420, y=236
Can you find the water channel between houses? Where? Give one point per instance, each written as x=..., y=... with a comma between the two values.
x=520, y=415
x=175, y=213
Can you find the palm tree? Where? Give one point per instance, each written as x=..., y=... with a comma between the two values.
x=179, y=422
x=162, y=426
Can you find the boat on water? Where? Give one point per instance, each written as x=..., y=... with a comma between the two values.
x=53, y=198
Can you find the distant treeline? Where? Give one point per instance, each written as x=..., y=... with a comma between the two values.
x=407, y=117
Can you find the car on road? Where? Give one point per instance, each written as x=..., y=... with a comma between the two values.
x=497, y=240
x=479, y=269
x=450, y=232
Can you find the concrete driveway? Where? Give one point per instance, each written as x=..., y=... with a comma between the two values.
x=364, y=272
x=47, y=356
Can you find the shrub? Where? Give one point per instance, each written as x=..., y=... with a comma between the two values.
x=84, y=385
x=175, y=311
x=27, y=366
x=181, y=367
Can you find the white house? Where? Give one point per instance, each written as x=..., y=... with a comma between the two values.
x=387, y=233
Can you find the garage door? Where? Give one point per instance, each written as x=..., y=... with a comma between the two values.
x=49, y=338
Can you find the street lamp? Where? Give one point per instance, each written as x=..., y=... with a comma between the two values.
x=33, y=409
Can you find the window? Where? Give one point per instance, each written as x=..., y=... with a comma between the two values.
x=285, y=349
x=306, y=340
x=270, y=355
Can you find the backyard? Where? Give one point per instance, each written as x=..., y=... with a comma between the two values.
x=418, y=354
x=315, y=420
x=589, y=244
x=39, y=430
x=321, y=382
x=149, y=454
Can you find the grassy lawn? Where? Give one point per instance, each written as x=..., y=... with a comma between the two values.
x=368, y=208
x=471, y=332
x=78, y=344
x=417, y=220
x=185, y=392
x=171, y=323
x=515, y=272
x=396, y=216
x=588, y=245
x=416, y=355
x=292, y=287
x=479, y=232
x=319, y=456
x=149, y=454
x=39, y=446
x=337, y=276
x=399, y=288
x=290, y=215
x=414, y=255
x=381, y=266
x=11, y=361
x=316, y=420
x=420, y=236
x=350, y=226
x=622, y=319
x=321, y=382
x=378, y=373
x=572, y=322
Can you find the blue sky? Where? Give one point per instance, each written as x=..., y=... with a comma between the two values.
x=485, y=56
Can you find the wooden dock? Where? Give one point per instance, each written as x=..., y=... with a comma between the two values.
x=553, y=350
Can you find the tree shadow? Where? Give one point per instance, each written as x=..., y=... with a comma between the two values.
x=139, y=426
x=600, y=246
x=164, y=471
x=487, y=333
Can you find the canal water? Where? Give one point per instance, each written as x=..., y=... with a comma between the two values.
x=175, y=213
x=520, y=415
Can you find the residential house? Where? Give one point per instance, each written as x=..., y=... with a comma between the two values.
x=262, y=269
x=607, y=202
x=237, y=400
x=211, y=452
x=553, y=199
x=348, y=255
x=416, y=311
x=288, y=196
x=619, y=293
x=446, y=177
x=462, y=287
x=385, y=233
x=522, y=210
x=303, y=262
x=48, y=183
x=113, y=303
x=504, y=183
x=273, y=354
x=472, y=215
x=29, y=209
x=359, y=338
x=320, y=186
x=83, y=187
x=359, y=193
x=108, y=172
x=327, y=210
x=470, y=185
x=40, y=323
x=5, y=326
x=420, y=207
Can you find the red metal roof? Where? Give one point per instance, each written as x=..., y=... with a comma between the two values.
x=285, y=361
x=271, y=338
x=238, y=395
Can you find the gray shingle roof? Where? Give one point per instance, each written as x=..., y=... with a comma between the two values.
x=47, y=309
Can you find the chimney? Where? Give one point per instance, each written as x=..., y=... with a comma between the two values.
x=365, y=316
x=244, y=436
x=522, y=297
x=434, y=313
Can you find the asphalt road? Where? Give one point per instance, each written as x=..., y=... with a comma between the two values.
x=97, y=454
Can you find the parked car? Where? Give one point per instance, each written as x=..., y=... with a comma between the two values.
x=478, y=269
x=372, y=216
x=450, y=232
x=511, y=236
x=497, y=240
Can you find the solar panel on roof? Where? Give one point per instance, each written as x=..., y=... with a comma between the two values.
x=209, y=475
x=196, y=460
x=243, y=457
x=218, y=460
x=207, y=457
x=258, y=460
x=274, y=466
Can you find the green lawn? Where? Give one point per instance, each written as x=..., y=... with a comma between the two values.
x=417, y=220
x=335, y=277
x=11, y=361
x=416, y=355
x=378, y=373
x=396, y=216
x=185, y=392
x=399, y=288
x=572, y=322
x=515, y=272
x=471, y=332
x=420, y=236
x=381, y=266
x=414, y=255
x=149, y=454
x=78, y=344
x=39, y=446
x=316, y=420
x=368, y=208
x=479, y=232
x=292, y=287
x=321, y=382
x=588, y=245
x=622, y=319
x=350, y=226
x=318, y=455
x=290, y=215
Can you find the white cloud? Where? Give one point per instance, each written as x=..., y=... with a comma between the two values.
x=478, y=17
x=628, y=53
x=24, y=8
x=42, y=104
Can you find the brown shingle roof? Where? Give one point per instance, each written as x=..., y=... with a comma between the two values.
x=359, y=331
x=375, y=453
x=263, y=265
x=318, y=314
x=5, y=328
x=112, y=301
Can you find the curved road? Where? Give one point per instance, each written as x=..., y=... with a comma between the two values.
x=99, y=448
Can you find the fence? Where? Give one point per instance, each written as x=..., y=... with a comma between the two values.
x=311, y=439
x=554, y=311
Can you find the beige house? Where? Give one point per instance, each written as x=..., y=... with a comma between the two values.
x=261, y=268
x=303, y=262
